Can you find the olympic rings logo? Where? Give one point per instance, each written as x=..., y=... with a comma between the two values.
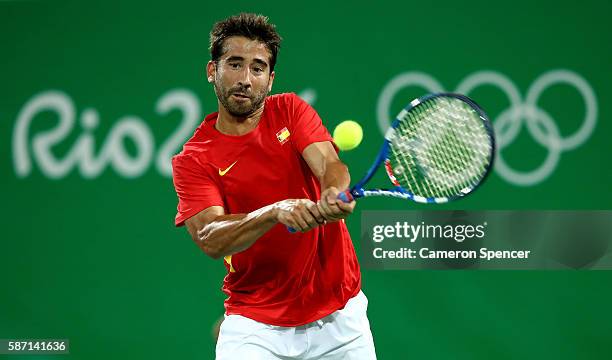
x=508, y=124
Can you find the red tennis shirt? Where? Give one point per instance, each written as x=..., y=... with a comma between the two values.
x=283, y=279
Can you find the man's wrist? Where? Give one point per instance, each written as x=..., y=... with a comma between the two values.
x=267, y=214
x=271, y=213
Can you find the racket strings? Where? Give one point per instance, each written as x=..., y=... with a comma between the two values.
x=459, y=155
x=412, y=179
x=452, y=160
x=440, y=148
x=401, y=151
x=456, y=148
x=420, y=158
x=439, y=163
x=451, y=148
x=423, y=157
x=406, y=162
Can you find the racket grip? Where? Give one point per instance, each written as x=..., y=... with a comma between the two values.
x=346, y=196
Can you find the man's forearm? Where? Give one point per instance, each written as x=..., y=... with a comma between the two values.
x=335, y=179
x=229, y=234
x=336, y=175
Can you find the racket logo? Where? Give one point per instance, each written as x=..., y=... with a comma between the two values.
x=389, y=170
x=540, y=125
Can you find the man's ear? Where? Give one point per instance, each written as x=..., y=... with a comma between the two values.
x=211, y=70
x=272, y=74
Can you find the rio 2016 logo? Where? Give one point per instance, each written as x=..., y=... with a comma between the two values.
x=113, y=152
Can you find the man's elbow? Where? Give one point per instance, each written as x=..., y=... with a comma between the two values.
x=212, y=253
x=208, y=245
x=211, y=248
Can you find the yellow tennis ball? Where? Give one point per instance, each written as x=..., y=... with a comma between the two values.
x=348, y=135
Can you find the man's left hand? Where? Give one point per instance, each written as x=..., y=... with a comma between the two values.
x=332, y=208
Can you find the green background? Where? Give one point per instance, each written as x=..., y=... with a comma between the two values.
x=98, y=260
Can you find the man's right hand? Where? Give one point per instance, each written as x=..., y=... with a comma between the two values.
x=299, y=214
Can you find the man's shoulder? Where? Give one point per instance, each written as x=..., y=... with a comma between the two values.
x=282, y=96
x=196, y=147
x=282, y=99
x=285, y=105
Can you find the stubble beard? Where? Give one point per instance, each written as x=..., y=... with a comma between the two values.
x=237, y=109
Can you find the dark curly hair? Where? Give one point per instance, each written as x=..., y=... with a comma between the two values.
x=251, y=26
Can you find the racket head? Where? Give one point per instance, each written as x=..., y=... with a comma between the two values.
x=439, y=148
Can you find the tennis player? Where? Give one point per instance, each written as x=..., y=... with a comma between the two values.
x=260, y=164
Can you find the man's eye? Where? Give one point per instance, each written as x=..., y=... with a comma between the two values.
x=234, y=65
x=258, y=70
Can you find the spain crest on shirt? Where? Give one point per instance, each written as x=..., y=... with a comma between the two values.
x=283, y=135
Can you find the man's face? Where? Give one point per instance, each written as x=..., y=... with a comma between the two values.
x=242, y=77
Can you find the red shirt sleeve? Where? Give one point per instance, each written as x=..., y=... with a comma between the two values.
x=306, y=125
x=195, y=188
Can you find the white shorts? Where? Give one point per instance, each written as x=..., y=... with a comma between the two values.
x=345, y=335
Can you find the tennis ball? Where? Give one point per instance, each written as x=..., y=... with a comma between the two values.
x=348, y=135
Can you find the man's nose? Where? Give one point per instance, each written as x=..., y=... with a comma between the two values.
x=245, y=77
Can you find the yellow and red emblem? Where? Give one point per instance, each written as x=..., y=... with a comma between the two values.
x=283, y=135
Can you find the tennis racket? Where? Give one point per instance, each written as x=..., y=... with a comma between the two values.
x=438, y=149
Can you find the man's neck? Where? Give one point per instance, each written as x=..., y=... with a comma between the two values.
x=229, y=124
